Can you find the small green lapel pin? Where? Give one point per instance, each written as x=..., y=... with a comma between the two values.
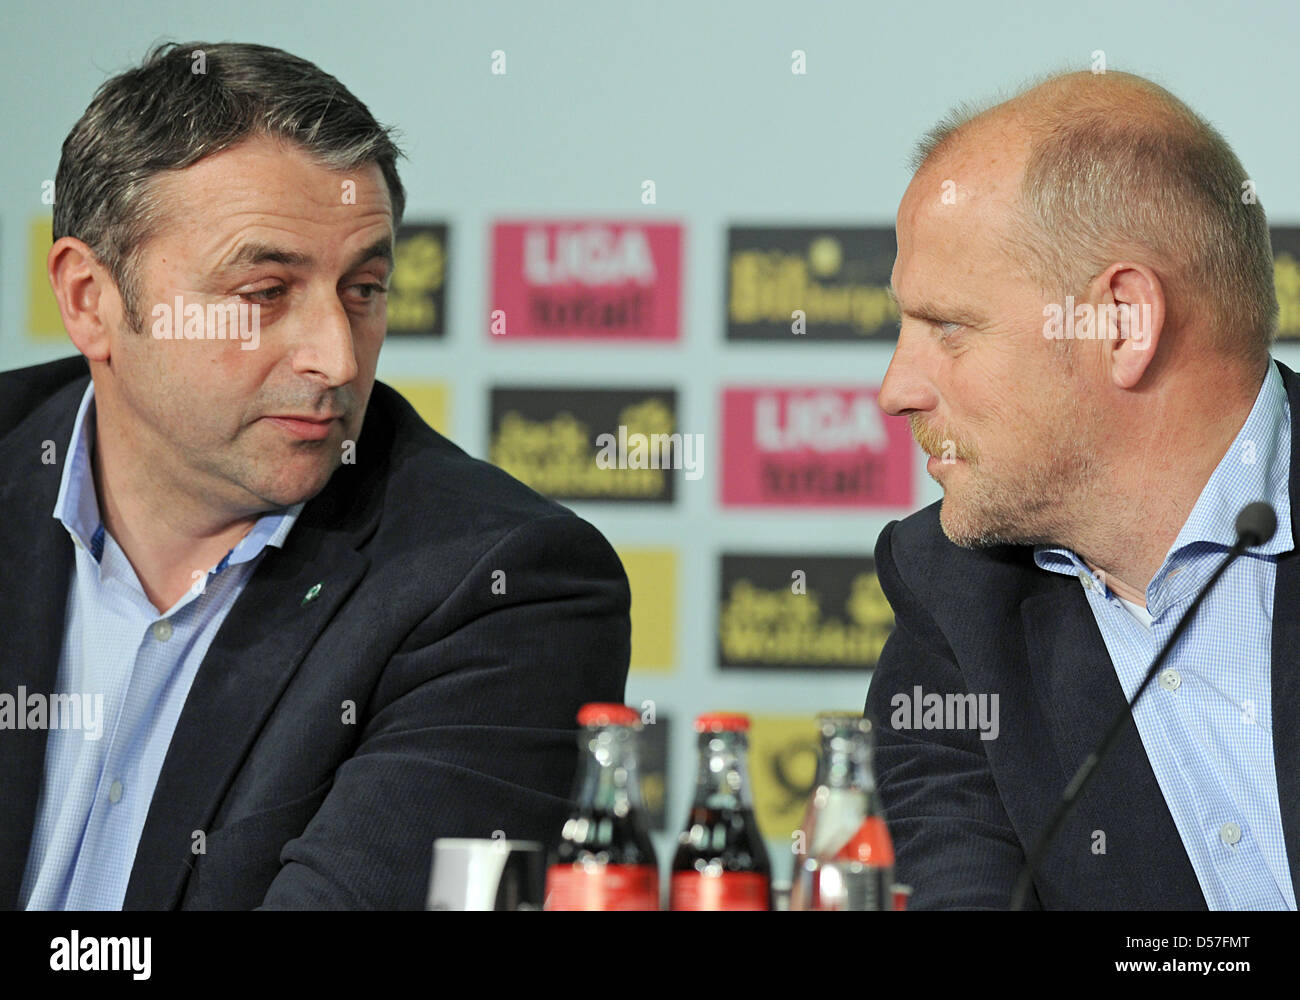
x=312, y=594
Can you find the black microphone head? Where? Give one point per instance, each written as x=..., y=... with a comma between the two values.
x=1256, y=523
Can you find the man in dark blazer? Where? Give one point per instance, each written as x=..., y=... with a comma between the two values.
x=1093, y=450
x=327, y=742
x=313, y=634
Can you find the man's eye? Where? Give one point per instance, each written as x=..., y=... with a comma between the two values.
x=264, y=294
x=947, y=329
x=373, y=289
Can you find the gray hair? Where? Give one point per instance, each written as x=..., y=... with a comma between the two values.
x=1133, y=170
x=166, y=114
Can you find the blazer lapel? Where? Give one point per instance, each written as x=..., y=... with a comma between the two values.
x=1065, y=647
x=33, y=600
x=1286, y=699
x=1076, y=684
x=266, y=636
x=1286, y=659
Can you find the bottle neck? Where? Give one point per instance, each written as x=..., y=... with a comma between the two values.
x=846, y=759
x=607, y=780
x=722, y=781
x=845, y=797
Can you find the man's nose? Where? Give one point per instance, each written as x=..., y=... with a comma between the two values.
x=906, y=388
x=326, y=347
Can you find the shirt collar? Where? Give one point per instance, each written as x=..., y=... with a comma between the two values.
x=77, y=506
x=1256, y=467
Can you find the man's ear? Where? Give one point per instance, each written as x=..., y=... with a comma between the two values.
x=1139, y=316
x=87, y=296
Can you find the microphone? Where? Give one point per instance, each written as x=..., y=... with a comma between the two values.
x=1256, y=523
x=1255, y=526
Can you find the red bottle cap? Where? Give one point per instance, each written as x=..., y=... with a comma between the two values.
x=722, y=722
x=599, y=713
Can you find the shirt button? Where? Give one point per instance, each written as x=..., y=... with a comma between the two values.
x=1169, y=679
x=1230, y=833
x=1086, y=580
x=115, y=791
x=162, y=630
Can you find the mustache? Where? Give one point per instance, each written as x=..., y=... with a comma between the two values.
x=341, y=400
x=938, y=442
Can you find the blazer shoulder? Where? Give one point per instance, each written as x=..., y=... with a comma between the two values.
x=914, y=553
x=23, y=390
x=436, y=489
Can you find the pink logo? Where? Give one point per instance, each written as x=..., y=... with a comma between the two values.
x=814, y=446
x=586, y=279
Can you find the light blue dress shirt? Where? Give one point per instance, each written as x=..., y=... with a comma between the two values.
x=97, y=787
x=1207, y=721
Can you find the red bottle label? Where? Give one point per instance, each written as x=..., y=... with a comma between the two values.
x=725, y=891
x=871, y=845
x=602, y=887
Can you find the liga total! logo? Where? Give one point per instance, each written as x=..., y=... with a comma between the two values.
x=586, y=279
x=813, y=446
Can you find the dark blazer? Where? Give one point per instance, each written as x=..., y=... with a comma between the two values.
x=964, y=811
x=465, y=698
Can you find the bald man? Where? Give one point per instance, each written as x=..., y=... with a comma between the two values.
x=1086, y=288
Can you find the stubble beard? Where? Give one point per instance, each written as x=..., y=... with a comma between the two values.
x=1034, y=503
x=246, y=467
